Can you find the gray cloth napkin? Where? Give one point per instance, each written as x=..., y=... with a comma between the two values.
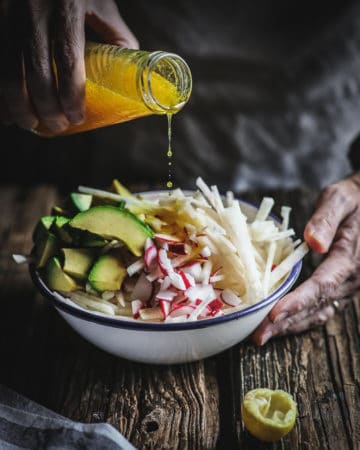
x=25, y=424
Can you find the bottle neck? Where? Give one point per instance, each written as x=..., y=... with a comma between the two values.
x=164, y=82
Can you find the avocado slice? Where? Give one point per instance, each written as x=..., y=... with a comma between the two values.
x=60, y=230
x=45, y=248
x=114, y=223
x=57, y=279
x=77, y=262
x=108, y=273
x=42, y=227
x=82, y=202
x=80, y=238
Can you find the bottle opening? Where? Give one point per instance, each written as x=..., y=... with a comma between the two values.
x=165, y=82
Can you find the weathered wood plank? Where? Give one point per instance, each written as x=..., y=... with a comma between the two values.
x=319, y=368
x=191, y=406
x=154, y=406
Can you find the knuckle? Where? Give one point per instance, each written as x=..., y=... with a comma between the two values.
x=330, y=190
x=326, y=287
x=300, y=305
x=320, y=319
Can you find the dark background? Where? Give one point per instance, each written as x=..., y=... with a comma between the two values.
x=276, y=102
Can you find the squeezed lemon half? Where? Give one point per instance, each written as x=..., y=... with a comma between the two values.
x=268, y=415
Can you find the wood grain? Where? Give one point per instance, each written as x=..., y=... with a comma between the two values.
x=190, y=406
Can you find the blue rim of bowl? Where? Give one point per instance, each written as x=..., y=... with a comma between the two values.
x=155, y=326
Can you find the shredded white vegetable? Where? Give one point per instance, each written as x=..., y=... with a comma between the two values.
x=206, y=252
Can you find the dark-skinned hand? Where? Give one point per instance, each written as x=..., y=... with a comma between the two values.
x=36, y=33
x=334, y=230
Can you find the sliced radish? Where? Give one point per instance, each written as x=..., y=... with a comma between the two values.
x=165, y=283
x=215, y=304
x=164, y=262
x=148, y=243
x=180, y=248
x=180, y=299
x=178, y=319
x=218, y=313
x=150, y=256
x=136, y=306
x=230, y=298
x=200, y=291
x=193, y=269
x=135, y=267
x=177, y=281
x=165, y=308
x=187, y=279
x=161, y=237
x=143, y=289
x=182, y=311
x=165, y=296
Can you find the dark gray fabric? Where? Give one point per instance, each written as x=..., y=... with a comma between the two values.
x=276, y=101
x=26, y=425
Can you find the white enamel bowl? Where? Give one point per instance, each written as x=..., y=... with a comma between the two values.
x=161, y=343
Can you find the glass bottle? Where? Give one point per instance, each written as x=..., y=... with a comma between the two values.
x=124, y=84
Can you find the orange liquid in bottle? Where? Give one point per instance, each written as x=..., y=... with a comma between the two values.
x=122, y=85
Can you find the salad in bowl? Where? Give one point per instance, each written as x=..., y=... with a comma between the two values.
x=163, y=261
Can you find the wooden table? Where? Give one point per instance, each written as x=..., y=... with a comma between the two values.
x=190, y=406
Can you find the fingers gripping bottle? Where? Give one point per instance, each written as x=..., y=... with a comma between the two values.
x=124, y=84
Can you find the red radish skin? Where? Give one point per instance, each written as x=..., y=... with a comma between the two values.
x=194, y=269
x=150, y=256
x=182, y=311
x=179, y=248
x=177, y=281
x=165, y=308
x=187, y=279
x=166, y=296
x=136, y=305
x=164, y=262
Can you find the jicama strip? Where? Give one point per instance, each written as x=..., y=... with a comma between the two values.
x=264, y=209
x=135, y=267
x=99, y=305
x=124, y=311
x=285, y=214
x=151, y=313
x=209, y=196
x=119, y=295
x=283, y=234
x=287, y=264
x=238, y=231
x=268, y=267
x=23, y=259
x=108, y=295
x=229, y=198
x=219, y=206
x=109, y=195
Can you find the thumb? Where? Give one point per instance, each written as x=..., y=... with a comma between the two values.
x=103, y=17
x=331, y=210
